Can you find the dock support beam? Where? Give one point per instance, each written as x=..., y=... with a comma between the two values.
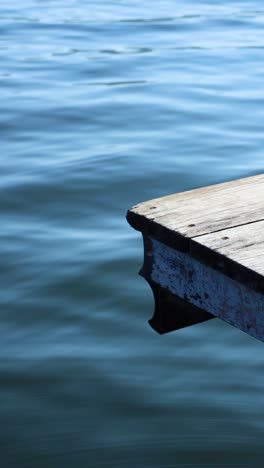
x=172, y=313
x=187, y=292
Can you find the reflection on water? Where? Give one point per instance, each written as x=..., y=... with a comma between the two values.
x=104, y=105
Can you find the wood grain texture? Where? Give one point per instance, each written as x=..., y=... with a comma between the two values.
x=220, y=226
x=202, y=211
x=243, y=244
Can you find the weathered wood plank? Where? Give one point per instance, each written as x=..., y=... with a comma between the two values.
x=242, y=244
x=202, y=211
x=183, y=221
x=204, y=254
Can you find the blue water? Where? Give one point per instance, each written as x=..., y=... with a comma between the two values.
x=105, y=104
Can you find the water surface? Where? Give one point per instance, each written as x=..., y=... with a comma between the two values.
x=103, y=105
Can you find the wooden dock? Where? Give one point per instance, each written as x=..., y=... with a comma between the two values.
x=204, y=255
